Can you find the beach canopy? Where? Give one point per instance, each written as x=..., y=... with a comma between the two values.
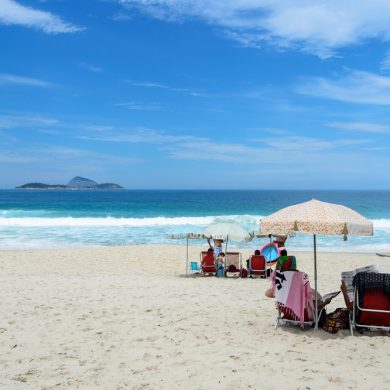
x=227, y=231
x=183, y=236
x=316, y=217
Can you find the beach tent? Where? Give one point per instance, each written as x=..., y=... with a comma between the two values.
x=218, y=231
x=187, y=237
x=270, y=251
x=317, y=218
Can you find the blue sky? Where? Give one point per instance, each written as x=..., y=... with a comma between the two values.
x=253, y=94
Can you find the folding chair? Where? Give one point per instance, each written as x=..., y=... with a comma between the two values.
x=295, y=283
x=233, y=264
x=194, y=267
x=288, y=264
x=371, y=303
x=208, y=263
x=257, y=266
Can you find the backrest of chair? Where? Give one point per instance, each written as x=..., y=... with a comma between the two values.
x=257, y=263
x=233, y=258
x=194, y=266
x=288, y=264
x=375, y=300
x=372, y=292
x=291, y=289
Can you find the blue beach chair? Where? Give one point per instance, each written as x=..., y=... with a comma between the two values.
x=194, y=267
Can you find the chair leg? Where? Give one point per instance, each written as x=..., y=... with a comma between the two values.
x=350, y=323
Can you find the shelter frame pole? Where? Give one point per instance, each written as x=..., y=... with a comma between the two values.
x=315, y=282
x=187, y=258
x=224, y=266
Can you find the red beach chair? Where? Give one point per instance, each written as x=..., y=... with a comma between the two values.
x=258, y=266
x=371, y=303
x=208, y=263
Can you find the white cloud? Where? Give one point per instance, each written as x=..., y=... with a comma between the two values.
x=138, y=135
x=354, y=87
x=273, y=151
x=157, y=85
x=13, y=13
x=385, y=64
x=364, y=127
x=26, y=120
x=139, y=106
x=316, y=27
x=91, y=68
x=11, y=79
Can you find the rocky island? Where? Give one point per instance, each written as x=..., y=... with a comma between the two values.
x=77, y=183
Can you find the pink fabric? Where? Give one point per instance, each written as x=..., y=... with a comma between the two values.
x=292, y=291
x=300, y=296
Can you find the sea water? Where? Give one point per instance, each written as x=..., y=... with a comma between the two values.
x=50, y=219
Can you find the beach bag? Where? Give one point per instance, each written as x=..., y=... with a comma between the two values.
x=244, y=273
x=339, y=319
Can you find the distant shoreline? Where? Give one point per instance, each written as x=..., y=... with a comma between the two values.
x=65, y=189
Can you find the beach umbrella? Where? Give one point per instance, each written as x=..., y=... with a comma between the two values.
x=227, y=231
x=317, y=218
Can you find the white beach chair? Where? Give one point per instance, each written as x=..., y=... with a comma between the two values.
x=233, y=264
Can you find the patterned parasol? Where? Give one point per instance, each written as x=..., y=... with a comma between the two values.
x=316, y=217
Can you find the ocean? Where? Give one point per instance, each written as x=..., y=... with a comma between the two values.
x=52, y=219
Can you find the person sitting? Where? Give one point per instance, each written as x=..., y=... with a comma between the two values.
x=344, y=290
x=220, y=265
x=256, y=253
x=208, y=257
x=286, y=263
x=248, y=264
x=208, y=263
x=291, y=281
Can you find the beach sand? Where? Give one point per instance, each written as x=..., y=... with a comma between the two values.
x=126, y=317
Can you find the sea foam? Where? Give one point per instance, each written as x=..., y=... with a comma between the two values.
x=129, y=222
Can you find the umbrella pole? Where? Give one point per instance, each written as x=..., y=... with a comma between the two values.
x=270, y=243
x=315, y=281
x=187, y=258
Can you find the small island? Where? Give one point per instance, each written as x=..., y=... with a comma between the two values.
x=77, y=183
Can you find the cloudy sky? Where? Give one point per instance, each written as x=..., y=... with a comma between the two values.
x=246, y=94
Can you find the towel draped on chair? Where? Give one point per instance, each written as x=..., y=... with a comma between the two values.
x=293, y=294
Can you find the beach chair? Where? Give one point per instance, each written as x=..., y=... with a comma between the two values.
x=257, y=266
x=233, y=264
x=371, y=303
x=194, y=267
x=288, y=265
x=208, y=263
x=291, y=289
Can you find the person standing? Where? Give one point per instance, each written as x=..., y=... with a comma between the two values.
x=220, y=265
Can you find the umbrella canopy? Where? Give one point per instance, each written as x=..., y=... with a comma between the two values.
x=316, y=217
x=227, y=231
